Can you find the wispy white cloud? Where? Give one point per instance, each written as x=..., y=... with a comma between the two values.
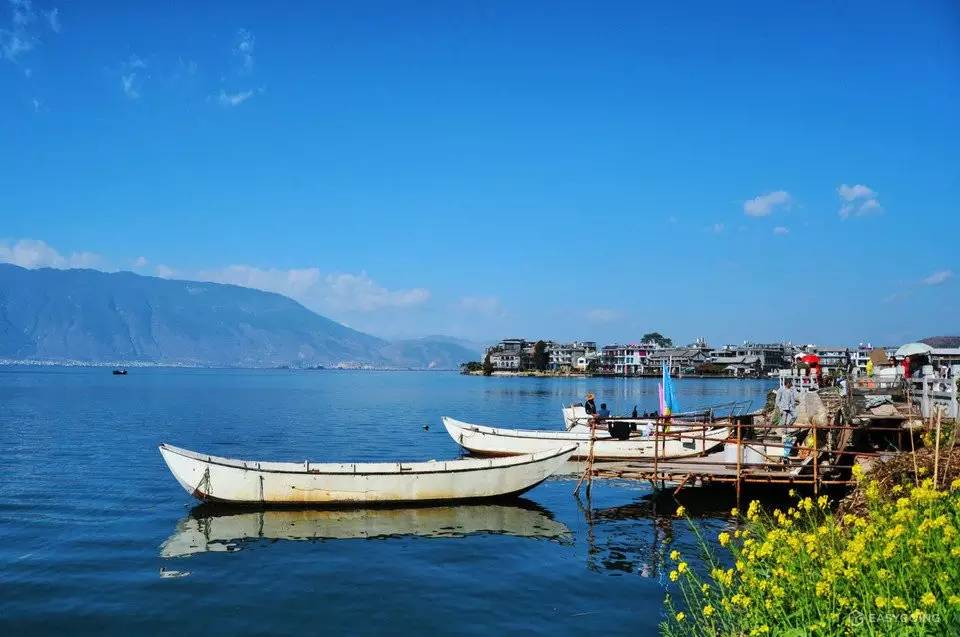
x=484, y=305
x=938, y=278
x=131, y=73
x=234, y=99
x=763, y=205
x=243, y=49
x=53, y=19
x=126, y=81
x=907, y=290
x=603, y=315
x=140, y=262
x=18, y=38
x=185, y=68
x=165, y=271
x=858, y=201
x=15, y=43
x=21, y=35
x=23, y=13
x=243, y=52
x=781, y=230
x=337, y=292
x=34, y=253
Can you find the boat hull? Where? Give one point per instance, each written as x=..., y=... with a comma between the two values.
x=493, y=441
x=216, y=479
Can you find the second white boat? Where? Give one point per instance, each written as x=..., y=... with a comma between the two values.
x=494, y=441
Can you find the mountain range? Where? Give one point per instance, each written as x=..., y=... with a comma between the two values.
x=89, y=316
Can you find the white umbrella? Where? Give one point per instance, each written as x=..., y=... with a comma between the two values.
x=911, y=349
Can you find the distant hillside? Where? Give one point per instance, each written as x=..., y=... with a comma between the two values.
x=942, y=341
x=431, y=352
x=96, y=317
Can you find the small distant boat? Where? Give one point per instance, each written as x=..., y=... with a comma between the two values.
x=119, y=372
x=214, y=479
x=494, y=441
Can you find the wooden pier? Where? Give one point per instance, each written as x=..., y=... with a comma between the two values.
x=822, y=455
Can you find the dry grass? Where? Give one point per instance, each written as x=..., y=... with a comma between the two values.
x=899, y=470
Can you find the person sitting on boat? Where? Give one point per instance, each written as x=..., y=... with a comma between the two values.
x=603, y=413
x=589, y=406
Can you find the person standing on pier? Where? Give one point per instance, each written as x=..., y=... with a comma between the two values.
x=786, y=402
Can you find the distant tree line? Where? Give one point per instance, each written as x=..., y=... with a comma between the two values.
x=658, y=338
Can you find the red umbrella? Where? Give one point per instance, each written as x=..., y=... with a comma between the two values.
x=811, y=359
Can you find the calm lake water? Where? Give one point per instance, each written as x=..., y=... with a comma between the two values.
x=97, y=537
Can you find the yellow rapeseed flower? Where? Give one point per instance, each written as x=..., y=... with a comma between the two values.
x=734, y=511
x=681, y=567
x=928, y=599
x=674, y=576
x=708, y=610
x=724, y=538
x=680, y=616
x=680, y=511
x=674, y=555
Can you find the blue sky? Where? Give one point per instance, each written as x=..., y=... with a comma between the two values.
x=597, y=170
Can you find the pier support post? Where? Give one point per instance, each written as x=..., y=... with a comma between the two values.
x=739, y=459
x=816, y=458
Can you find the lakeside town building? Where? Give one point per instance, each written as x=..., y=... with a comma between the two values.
x=747, y=359
x=575, y=356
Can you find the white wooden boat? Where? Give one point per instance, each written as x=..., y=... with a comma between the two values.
x=493, y=441
x=215, y=479
x=576, y=418
x=211, y=530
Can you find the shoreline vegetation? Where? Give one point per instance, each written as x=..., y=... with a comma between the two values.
x=884, y=560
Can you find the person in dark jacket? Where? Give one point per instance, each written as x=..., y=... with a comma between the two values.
x=589, y=406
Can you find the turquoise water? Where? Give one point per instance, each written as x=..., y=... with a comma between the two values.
x=97, y=537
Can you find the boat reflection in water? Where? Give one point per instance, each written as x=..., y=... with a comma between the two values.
x=637, y=537
x=217, y=528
